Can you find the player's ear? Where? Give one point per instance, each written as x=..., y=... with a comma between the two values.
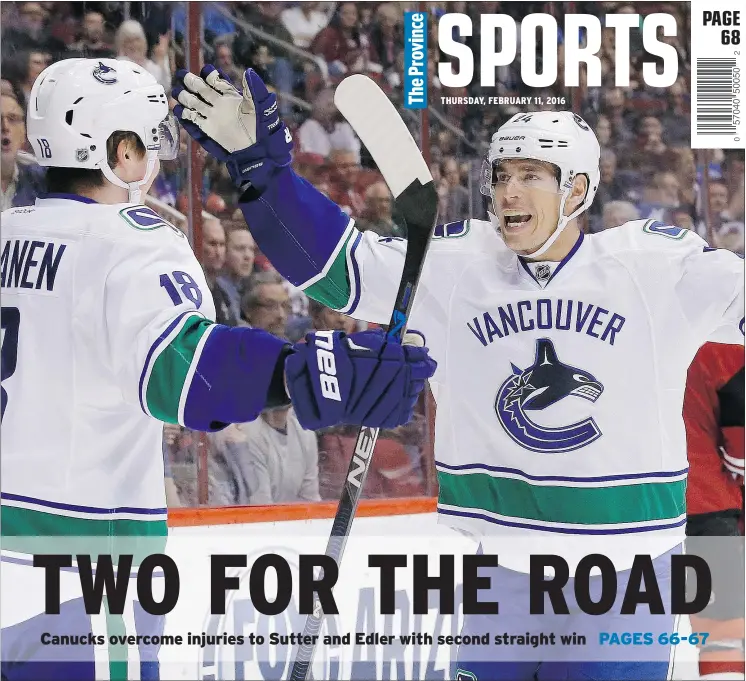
x=128, y=149
x=577, y=194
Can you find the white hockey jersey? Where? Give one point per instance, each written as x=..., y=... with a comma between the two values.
x=559, y=386
x=84, y=328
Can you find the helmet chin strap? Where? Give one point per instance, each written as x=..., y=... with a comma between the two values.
x=134, y=188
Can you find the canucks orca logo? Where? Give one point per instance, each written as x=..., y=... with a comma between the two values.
x=105, y=74
x=544, y=383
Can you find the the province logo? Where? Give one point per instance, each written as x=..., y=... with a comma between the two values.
x=544, y=383
x=266, y=652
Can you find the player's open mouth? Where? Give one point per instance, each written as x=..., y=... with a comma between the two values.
x=515, y=221
x=6, y=144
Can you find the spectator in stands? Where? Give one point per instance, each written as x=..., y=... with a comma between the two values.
x=613, y=108
x=21, y=183
x=171, y=434
x=733, y=174
x=681, y=217
x=680, y=160
x=266, y=303
x=387, y=40
x=609, y=189
x=727, y=232
x=319, y=318
x=227, y=467
x=213, y=261
x=33, y=63
x=344, y=173
x=603, y=131
x=718, y=194
x=616, y=213
x=676, y=121
x=457, y=203
x=650, y=128
x=281, y=459
x=648, y=154
x=7, y=89
x=265, y=16
x=132, y=45
x=261, y=60
x=343, y=46
x=325, y=130
x=224, y=60
x=377, y=215
x=303, y=21
x=324, y=318
x=396, y=469
x=240, y=251
x=660, y=197
x=298, y=304
x=29, y=31
x=92, y=43
x=308, y=166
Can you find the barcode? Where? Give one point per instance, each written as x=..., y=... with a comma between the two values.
x=714, y=105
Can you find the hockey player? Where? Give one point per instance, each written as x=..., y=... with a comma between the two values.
x=108, y=332
x=714, y=419
x=562, y=359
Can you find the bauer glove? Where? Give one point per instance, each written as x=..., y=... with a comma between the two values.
x=360, y=379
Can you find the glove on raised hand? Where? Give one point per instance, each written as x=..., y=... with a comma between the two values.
x=244, y=131
x=360, y=379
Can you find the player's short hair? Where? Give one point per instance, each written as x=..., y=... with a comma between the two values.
x=77, y=180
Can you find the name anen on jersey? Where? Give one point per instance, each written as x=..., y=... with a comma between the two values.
x=562, y=315
x=23, y=264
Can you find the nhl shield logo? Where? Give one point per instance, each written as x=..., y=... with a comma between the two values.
x=105, y=74
x=543, y=272
x=547, y=381
x=81, y=155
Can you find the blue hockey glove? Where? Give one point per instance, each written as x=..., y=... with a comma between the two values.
x=244, y=131
x=360, y=379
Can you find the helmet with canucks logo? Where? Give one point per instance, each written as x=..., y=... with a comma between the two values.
x=76, y=104
x=561, y=138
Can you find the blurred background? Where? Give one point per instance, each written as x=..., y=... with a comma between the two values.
x=303, y=50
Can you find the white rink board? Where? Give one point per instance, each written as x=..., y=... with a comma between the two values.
x=384, y=534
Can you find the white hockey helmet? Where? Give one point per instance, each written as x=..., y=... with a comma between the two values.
x=76, y=104
x=561, y=138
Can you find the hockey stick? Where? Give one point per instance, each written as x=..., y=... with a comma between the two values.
x=382, y=131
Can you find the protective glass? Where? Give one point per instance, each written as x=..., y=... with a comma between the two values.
x=167, y=144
